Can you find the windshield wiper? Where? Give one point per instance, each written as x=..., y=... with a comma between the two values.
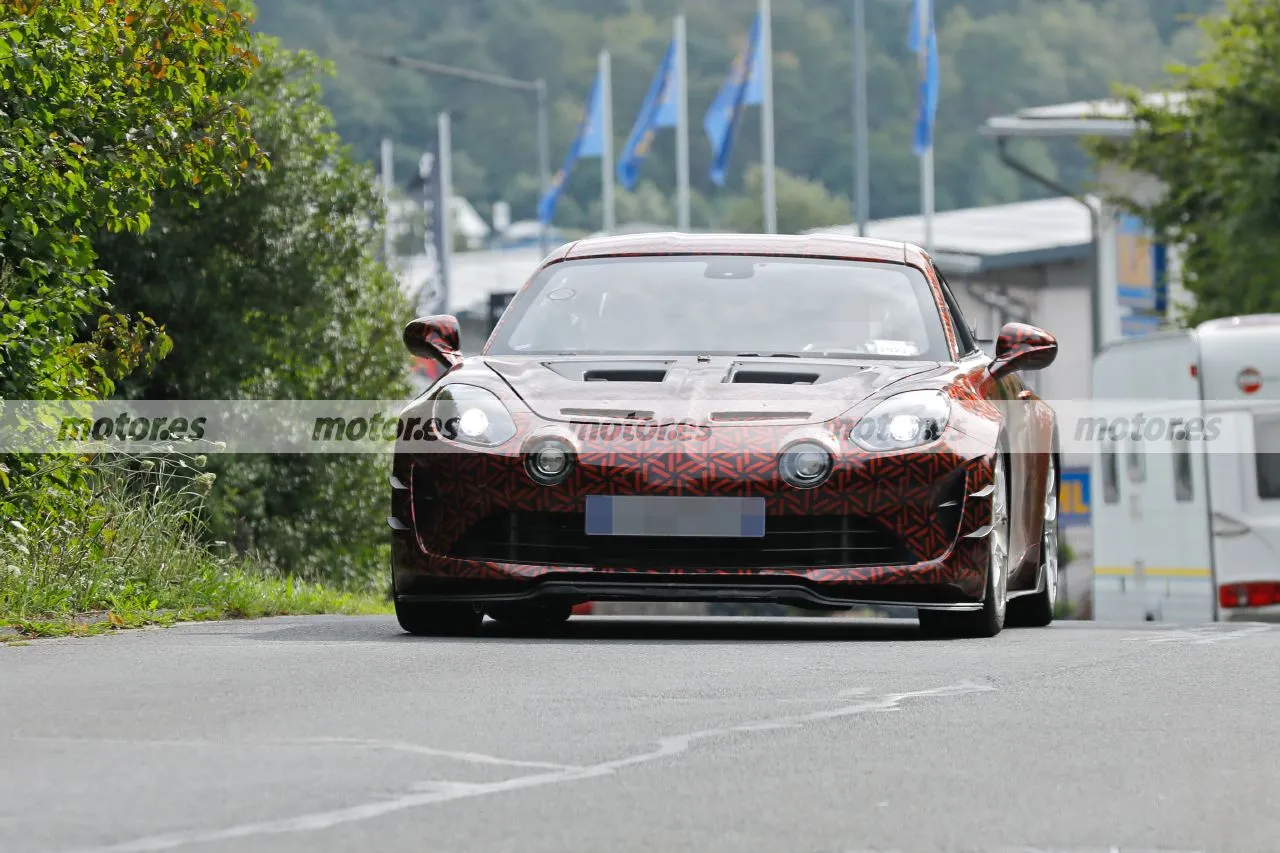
x=766, y=355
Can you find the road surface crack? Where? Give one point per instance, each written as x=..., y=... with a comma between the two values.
x=434, y=792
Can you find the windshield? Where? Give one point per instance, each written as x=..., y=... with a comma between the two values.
x=726, y=305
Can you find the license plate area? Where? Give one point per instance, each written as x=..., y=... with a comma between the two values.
x=674, y=515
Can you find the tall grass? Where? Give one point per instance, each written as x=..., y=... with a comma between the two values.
x=126, y=543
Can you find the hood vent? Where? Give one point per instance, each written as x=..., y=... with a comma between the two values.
x=624, y=374
x=611, y=370
x=611, y=414
x=744, y=417
x=773, y=377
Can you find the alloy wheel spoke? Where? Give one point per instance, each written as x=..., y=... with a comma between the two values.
x=999, y=536
x=1050, y=544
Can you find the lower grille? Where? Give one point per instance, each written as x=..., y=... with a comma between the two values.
x=559, y=538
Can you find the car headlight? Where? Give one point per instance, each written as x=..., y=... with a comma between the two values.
x=905, y=420
x=472, y=415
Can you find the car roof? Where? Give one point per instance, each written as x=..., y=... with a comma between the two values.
x=789, y=245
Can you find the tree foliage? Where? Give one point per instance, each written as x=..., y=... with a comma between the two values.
x=997, y=56
x=101, y=104
x=1216, y=153
x=153, y=165
x=802, y=204
x=270, y=291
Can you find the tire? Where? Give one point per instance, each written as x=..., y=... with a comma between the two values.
x=990, y=620
x=439, y=620
x=1037, y=610
x=531, y=615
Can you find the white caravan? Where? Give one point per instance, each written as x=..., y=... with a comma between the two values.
x=1186, y=480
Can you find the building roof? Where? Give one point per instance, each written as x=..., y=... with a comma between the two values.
x=978, y=239
x=1105, y=117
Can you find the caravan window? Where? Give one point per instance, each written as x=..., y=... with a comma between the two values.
x=1182, y=485
x=1266, y=448
x=1136, y=462
x=1110, y=472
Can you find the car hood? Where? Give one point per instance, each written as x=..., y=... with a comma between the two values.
x=698, y=390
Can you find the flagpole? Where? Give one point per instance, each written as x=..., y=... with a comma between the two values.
x=444, y=177
x=544, y=162
x=925, y=11
x=606, y=141
x=682, y=128
x=388, y=234
x=861, y=154
x=926, y=197
x=766, y=117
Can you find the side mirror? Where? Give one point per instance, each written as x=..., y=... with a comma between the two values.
x=435, y=340
x=1022, y=347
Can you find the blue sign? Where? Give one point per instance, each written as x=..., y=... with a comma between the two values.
x=1073, y=498
x=1141, y=283
x=1136, y=276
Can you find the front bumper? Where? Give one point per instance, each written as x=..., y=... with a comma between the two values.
x=901, y=529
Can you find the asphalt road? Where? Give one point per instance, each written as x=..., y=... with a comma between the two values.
x=343, y=734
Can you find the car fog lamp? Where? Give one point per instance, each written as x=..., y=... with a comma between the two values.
x=805, y=465
x=549, y=462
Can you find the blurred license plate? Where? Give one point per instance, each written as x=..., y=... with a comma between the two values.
x=665, y=515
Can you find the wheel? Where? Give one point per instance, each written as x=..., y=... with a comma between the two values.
x=988, y=621
x=1037, y=610
x=424, y=619
x=531, y=615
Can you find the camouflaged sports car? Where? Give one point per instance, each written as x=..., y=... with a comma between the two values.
x=734, y=418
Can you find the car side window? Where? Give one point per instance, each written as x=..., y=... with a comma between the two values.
x=964, y=337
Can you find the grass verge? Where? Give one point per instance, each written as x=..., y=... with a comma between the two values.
x=123, y=550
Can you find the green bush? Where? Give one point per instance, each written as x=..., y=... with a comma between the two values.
x=158, y=161
x=101, y=104
x=272, y=290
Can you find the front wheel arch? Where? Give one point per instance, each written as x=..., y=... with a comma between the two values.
x=992, y=618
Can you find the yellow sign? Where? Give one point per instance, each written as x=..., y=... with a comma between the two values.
x=1071, y=498
x=1134, y=265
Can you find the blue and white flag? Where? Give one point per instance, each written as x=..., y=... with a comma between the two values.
x=660, y=109
x=588, y=142
x=923, y=42
x=742, y=87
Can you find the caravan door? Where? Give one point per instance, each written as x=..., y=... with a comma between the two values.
x=1150, y=510
x=1240, y=363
